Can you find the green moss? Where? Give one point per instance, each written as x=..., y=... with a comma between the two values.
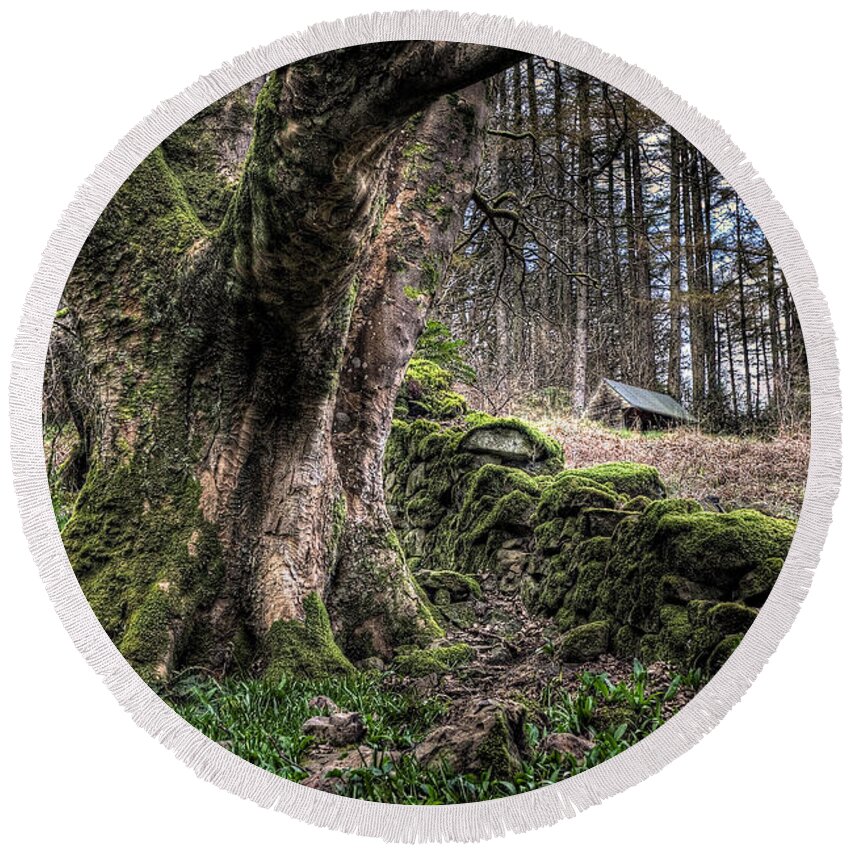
x=677, y=589
x=460, y=614
x=567, y=494
x=676, y=635
x=426, y=392
x=610, y=715
x=431, y=273
x=541, y=451
x=439, y=659
x=306, y=649
x=719, y=549
x=550, y=536
x=146, y=638
x=567, y=617
x=637, y=504
x=592, y=549
x=512, y=512
x=722, y=651
x=731, y=617
x=457, y=585
x=424, y=511
x=144, y=556
x=625, y=641
x=601, y=522
x=586, y=642
x=590, y=574
x=497, y=753
x=755, y=586
x=629, y=479
x=553, y=589
x=193, y=153
x=637, y=562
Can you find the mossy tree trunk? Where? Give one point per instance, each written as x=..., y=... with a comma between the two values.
x=244, y=372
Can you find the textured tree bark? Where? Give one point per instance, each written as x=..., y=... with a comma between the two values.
x=248, y=372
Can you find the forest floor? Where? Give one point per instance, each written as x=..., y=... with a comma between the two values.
x=768, y=474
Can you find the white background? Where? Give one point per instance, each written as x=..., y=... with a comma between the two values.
x=76, y=77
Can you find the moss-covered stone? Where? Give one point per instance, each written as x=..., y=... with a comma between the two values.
x=637, y=562
x=551, y=536
x=568, y=494
x=514, y=442
x=603, y=549
x=458, y=586
x=731, y=617
x=722, y=651
x=601, y=522
x=676, y=635
x=756, y=585
x=417, y=662
x=585, y=642
x=499, y=753
x=637, y=504
x=609, y=715
x=306, y=649
x=589, y=575
x=680, y=590
x=459, y=614
x=625, y=641
x=629, y=479
x=719, y=549
x=552, y=591
x=490, y=737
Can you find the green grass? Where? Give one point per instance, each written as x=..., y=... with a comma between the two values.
x=613, y=716
x=261, y=722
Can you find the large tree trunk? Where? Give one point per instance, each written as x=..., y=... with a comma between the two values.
x=246, y=375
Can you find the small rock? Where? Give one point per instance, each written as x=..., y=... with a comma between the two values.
x=321, y=764
x=491, y=735
x=511, y=559
x=504, y=442
x=568, y=744
x=417, y=479
x=322, y=703
x=712, y=503
x=344, y=727
x=586, y=642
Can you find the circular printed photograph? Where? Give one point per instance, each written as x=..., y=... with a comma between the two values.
x=426, y=422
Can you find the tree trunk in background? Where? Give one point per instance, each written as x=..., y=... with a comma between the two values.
x=776, y=364
x=742, y=314
x=246, y=375
x=696, y=290
x=712, y=348
x=674, y=359
x=562, y=300
x=645, y=347
x=585, y=165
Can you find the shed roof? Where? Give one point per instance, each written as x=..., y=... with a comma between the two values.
x=649, y=401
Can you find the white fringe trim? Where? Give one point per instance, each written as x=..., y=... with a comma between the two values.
x=471, y=821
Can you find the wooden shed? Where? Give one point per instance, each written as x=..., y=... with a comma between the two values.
x=621, y=405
